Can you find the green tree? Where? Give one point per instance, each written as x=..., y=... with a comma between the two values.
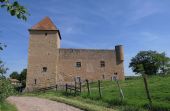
x=14, y=75
x=6, y=89
x=151, y=61
x=2, y=69
x=2, y=46
x=22, y=77
x=2, y=66
x=15, y=9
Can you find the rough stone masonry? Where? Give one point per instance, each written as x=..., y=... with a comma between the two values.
x=48, y=64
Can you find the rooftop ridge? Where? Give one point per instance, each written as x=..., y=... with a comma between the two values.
x=44, y=24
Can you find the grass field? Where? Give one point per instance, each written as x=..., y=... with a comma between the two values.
x=135, y=96
x=5, y=106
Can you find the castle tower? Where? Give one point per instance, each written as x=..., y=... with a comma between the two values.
x=42, y=55
x=119, y=54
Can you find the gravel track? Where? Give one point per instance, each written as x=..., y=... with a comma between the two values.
x=38, y=104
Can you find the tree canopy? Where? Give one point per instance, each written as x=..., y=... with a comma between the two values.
x=15, y=9
x=151, y=62
x=14, y=75
x=2, y=66
x=20, y=76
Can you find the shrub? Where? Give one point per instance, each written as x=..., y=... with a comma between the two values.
x=6, y=89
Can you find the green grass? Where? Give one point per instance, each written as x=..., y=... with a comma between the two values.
x=5, y=106
x=134, y=92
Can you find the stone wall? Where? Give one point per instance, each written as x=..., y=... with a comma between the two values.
x=60, y=63
x=48, y=64
x=42, y=53
x=90, y=65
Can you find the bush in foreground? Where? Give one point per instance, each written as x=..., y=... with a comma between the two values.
x=6, y=89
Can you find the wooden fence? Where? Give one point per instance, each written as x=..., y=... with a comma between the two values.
x=77, y=88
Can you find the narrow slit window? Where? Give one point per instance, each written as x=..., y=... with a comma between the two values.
x=35, y=81
x=103, y=76
x=78, y=64
x=102, y=63
x=44, y=69
x=46, y=34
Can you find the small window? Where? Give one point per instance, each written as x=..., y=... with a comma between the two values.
x=44, y=69
x=46, y=34
x=78, y=64
x=102, y=63
x=35, y=81
x=77, y=79
x=103, y=76
x=114, y=77
x=115, y=73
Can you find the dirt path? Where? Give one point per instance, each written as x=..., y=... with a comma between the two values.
x=38, y=104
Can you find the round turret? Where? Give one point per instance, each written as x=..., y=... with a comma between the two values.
x=119, y=53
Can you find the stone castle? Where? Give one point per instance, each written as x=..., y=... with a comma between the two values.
x=48, y=64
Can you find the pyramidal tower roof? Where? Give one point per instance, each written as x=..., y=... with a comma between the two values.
x=45, y=24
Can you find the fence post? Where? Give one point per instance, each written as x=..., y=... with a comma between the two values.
x=80, y=86
x=88, y=88
x=146, y=86
x=147, y=90
x=99, y=89
x=120, y=90
x=75, y=90
x=66, y=88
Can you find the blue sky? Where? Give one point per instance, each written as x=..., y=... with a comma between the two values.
x=136, y=24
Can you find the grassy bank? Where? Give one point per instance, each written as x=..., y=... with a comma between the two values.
x=5, y=106
x=135, y=96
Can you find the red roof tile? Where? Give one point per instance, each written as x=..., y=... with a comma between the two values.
x=45, y=24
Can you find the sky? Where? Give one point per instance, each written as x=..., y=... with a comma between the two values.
x=138, y=25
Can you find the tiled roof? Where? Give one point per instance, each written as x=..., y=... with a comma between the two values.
x=45, y=24
x=14, y=80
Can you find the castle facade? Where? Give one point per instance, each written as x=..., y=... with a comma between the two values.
x=48, y=64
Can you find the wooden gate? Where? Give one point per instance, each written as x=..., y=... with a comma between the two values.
x=76, y=88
